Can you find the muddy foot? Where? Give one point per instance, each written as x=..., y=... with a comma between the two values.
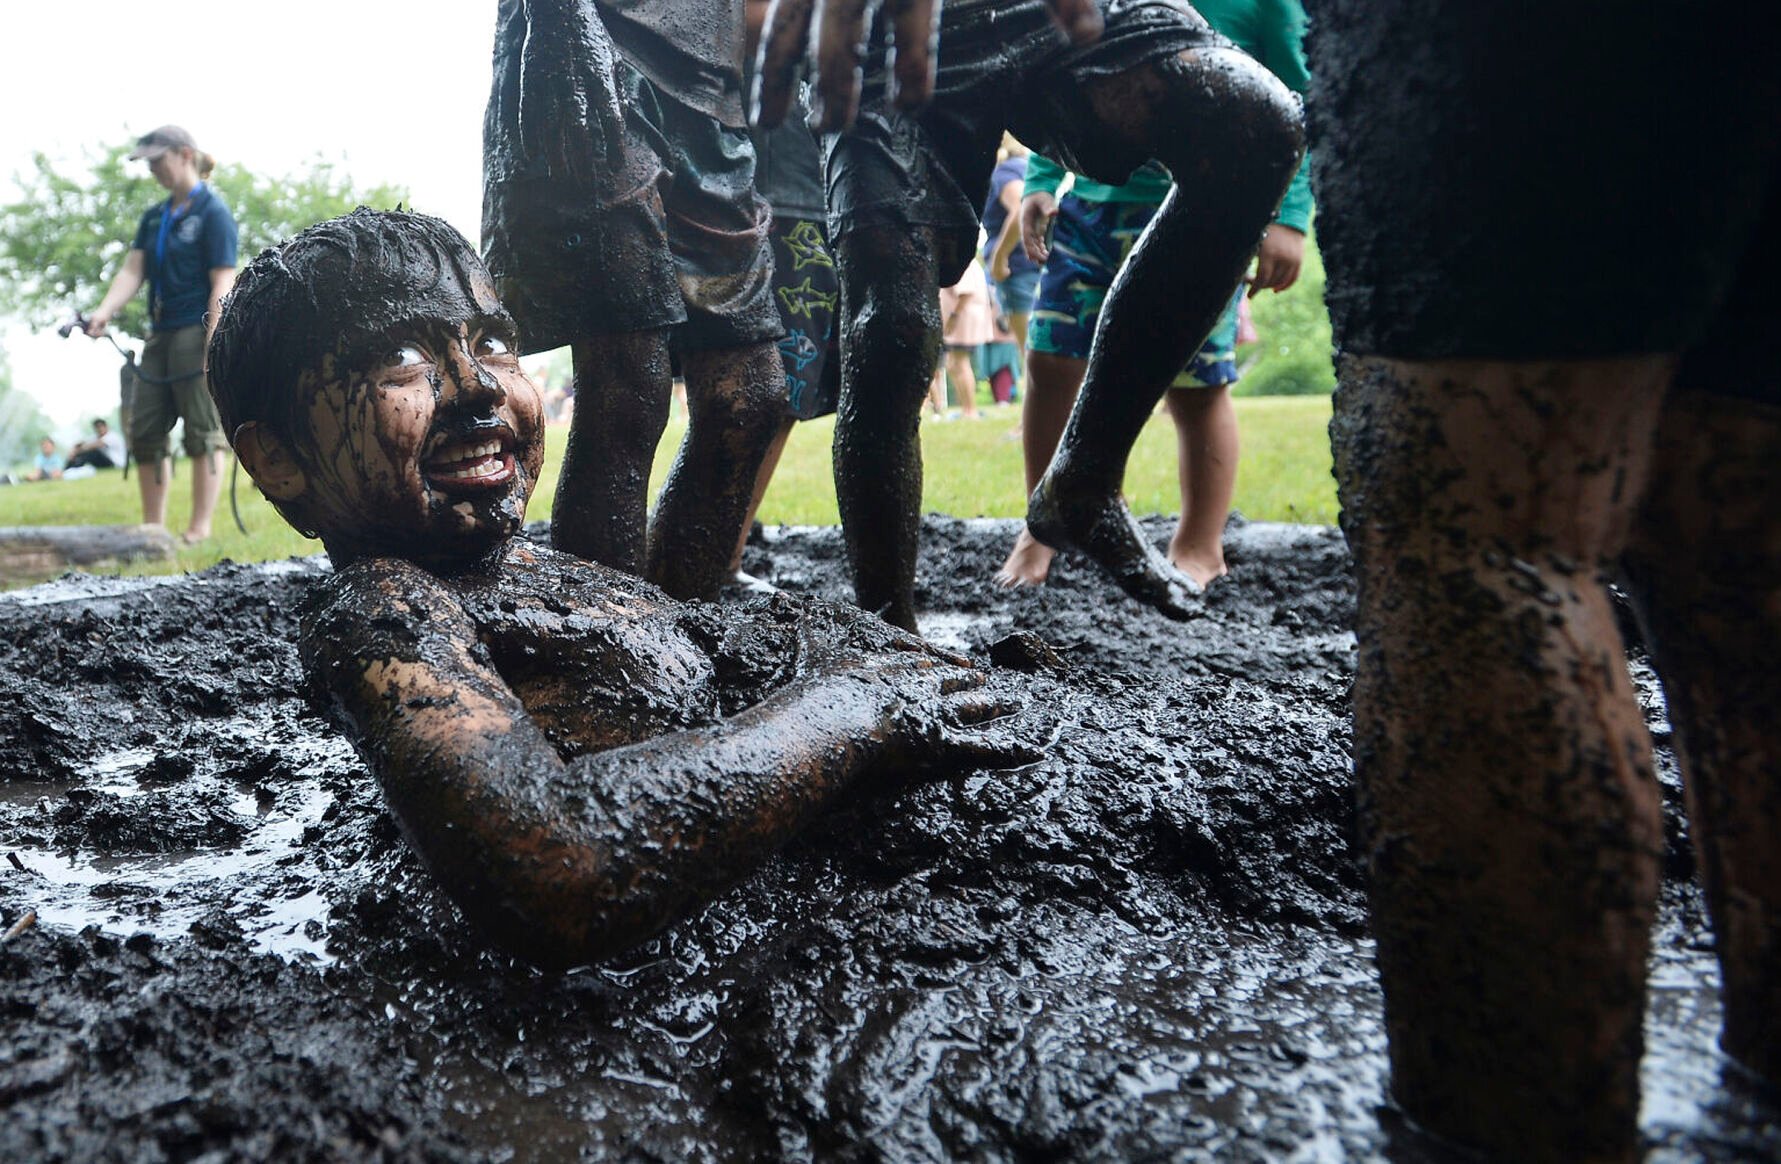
x=1028, y=564
x=1104, y=529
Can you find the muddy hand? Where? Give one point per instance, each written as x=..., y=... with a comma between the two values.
x=568, y=101
x=972, y=731
x=834, y=32
x=946, y=719
x=1104, y=529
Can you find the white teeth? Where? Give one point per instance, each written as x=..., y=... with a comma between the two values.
x=483, y=467
x=467, y=452
x=467, y=462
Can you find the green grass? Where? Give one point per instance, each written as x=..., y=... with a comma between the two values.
x=972, y=470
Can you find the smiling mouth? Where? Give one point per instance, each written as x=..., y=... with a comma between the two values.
x=470, y=466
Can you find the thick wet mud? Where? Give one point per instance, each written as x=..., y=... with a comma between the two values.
x=1150, y=943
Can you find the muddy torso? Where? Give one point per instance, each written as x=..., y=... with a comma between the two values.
x=597, y=657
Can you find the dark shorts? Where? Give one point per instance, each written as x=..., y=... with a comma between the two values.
x=97, y=458
x=1584, y=183
x=666, y=230
x=807, y=290
x=1002, y=65
x=1088, y=246
x=170, y=388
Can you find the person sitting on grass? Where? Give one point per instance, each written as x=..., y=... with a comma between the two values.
x=47, y=464
x=104, y=451
x=578, y=758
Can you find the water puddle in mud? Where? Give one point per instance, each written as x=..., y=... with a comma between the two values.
x=165, y=894
x=258, y=875
x=952, y=631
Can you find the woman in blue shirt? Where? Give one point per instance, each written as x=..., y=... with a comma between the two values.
x=185, y=251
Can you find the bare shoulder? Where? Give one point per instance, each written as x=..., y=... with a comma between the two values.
x=376, y=609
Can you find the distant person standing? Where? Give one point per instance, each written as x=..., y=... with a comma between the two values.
x=967, y=324
x=1013, y=275
x=185, y=251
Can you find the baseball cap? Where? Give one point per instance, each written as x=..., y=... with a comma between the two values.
x=156, y=142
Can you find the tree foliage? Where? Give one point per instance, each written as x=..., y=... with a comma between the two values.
x=22, y=423
x=66, y=236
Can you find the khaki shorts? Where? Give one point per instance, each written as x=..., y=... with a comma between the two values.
x=170, y=387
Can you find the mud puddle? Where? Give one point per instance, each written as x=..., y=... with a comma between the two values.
x=1151, y=943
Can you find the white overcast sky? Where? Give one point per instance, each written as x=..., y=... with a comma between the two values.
x=391, y=90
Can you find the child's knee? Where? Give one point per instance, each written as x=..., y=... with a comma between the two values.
x=1221, y=105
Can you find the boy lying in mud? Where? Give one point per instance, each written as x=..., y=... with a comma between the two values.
x=576, y=757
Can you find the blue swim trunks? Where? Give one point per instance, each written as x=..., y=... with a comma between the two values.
x=1090, y=242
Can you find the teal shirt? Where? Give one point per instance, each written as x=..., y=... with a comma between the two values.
x=1271, y=31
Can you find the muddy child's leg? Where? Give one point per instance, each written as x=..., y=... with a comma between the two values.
x=735, y=399
x=763, y=477
x=1230, y=134
x=1704, y=566
x=1509, y=816
x=890, y=343
x=622, y=384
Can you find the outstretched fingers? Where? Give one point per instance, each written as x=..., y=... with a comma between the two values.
x=840, y=52
x=974, y=732
x=1080, y=19
x=915, y=31
x=784, y=45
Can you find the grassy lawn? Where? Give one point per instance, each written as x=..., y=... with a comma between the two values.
x=972, y=470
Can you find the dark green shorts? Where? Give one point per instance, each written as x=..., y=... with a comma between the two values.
x=170, y=387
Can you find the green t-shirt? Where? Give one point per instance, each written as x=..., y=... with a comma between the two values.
x=1271, y=31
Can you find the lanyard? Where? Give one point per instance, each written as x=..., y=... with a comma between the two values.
x=169, y=216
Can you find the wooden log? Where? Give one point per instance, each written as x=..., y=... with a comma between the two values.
x=34, y=553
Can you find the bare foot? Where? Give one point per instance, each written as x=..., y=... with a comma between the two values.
x=1103, y=528
x=1028, y=564
x=1204, y=569
x=749, y=584
x=193, y=536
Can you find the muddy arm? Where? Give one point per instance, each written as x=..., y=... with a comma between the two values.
x=569, y=109
x=568, y=863
x=833, y=34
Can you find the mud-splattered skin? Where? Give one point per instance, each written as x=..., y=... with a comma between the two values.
x=1509, y=815
x=1230, y=132
x=375, y=422
x=370, y=381
x=1199, y=106
x=608, y=233
x=551, y=734
x=1704, y=568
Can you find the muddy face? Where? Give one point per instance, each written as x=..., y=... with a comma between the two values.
x=424, y=441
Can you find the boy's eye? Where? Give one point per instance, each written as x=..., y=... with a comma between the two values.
x=404, y=356
x=492, y=345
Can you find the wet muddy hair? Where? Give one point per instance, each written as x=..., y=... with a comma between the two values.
x=327, y=290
